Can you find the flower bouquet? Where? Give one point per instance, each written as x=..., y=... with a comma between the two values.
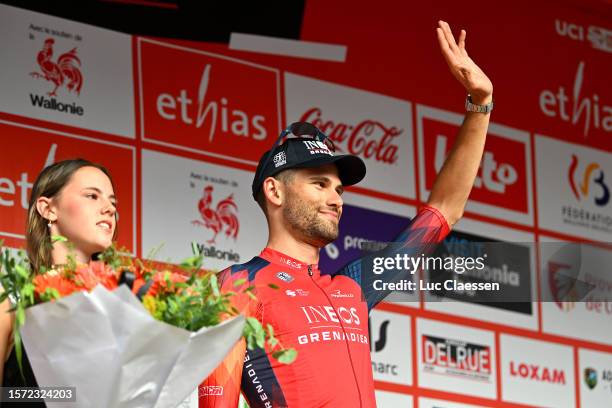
x=124, y=332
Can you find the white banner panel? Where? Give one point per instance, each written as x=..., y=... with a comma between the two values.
x=595, y=378
x=185, y=201
x=375, y=127
x=435, y=403
x=386, y=399
x=66, y=72
x=456, y=359
x=537, y=373
x=391, y=347
x=577, y=290
x=574, y=189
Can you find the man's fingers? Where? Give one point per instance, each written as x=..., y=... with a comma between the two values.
x=462, y=40
x=449, y=35
x=447, y=53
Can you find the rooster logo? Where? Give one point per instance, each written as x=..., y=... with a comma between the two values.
x=224, y=215
x=65, y=72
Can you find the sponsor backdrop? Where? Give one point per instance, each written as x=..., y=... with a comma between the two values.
x=182, y=124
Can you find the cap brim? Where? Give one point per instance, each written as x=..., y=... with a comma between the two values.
x=351, y=169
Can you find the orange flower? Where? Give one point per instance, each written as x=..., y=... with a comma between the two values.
x=160, y=284
x=53, y=279
x=85, y=277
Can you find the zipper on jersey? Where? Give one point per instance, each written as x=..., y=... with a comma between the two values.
x=348, y=350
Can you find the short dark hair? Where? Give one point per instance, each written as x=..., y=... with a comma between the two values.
x=285, y=177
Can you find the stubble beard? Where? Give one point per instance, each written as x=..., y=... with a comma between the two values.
x=303, y=217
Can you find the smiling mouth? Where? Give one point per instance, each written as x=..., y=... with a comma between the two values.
x=107, y=226
x=330, y=214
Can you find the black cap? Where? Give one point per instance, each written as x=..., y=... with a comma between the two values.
x=306, y=152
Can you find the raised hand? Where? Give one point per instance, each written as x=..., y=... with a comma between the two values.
x=473, y=79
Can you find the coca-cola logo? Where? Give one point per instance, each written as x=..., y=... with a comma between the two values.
x=368, y=138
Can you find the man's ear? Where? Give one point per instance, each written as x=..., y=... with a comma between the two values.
x=273, y=191
x=45, y=209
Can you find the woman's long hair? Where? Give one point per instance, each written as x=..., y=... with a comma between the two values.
x=50, y=183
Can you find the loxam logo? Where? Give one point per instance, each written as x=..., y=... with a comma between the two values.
x=494, y=176
x=379, y=342
x=534, y=372
x=593, y=175
x=193, y=108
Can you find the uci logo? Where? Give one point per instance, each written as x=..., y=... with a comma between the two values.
x=593, y=172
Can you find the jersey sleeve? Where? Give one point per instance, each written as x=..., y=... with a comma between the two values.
x=425, y=231
x=221, y=389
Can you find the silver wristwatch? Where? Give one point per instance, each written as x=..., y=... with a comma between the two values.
x=472, y=107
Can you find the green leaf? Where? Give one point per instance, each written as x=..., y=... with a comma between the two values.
x=273, y=286
x=214, y=285
x=239, y=282
x=286, y=356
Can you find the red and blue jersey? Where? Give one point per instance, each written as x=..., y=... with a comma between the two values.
x=324, y=317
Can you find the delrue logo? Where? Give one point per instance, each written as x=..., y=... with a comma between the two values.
x=213, y=115
x=368, y=138
x=599, y=37
x=537, y=373
x=593, y=174
x=64, y=72
x=456, y=358
x=585, y=109
x=501, y=180
x=220, y=218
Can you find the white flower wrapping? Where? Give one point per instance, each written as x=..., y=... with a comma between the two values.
x=116, y=354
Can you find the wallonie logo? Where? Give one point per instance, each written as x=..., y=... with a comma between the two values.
x=63, y=72
x=223, y=217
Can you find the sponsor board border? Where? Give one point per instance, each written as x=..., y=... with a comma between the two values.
x=498, y=130
x=92, y=140
x=140, y=40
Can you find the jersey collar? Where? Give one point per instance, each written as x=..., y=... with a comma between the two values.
x=284, y=260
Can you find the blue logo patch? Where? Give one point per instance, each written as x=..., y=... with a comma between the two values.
x=284, y=276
